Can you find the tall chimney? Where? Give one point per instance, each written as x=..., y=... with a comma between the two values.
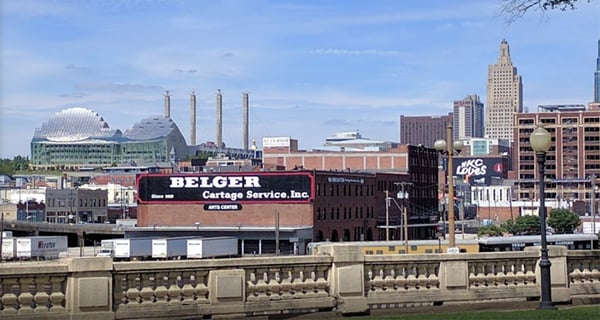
x=245, y=120
x=167, y=104
x=193, y=118
x=219, y=119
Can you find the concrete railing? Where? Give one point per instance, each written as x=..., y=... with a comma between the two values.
x=342, y=279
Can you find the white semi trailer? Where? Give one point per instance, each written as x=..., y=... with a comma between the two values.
x=9, y=248
x=214, y=247
x=169, y=248
x=126, y=248
x=39, y=247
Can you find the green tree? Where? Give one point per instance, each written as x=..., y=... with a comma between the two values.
x=527, y=225
x=515, y=9
x=511, y=227
x=491, y=230
x=563, y=220
x=16, y=165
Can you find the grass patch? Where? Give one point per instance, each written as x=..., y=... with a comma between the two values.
x=572, y=313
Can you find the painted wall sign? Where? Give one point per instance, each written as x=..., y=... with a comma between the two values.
x=224, y=188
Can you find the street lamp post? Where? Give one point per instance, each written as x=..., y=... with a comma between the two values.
x=448, y=147
x=387, y=216
x=540, y=142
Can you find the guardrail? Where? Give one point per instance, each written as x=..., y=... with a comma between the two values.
x=91, y=228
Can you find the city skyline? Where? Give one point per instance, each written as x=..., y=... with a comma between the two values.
x=311, y=68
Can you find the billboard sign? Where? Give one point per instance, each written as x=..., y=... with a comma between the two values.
x=226, y=188
x=273, y=142
x=480, y=170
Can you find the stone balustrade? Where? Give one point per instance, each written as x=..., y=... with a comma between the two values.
x=341, y=279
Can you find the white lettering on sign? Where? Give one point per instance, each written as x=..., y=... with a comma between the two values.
x=270, y=142
x=475, y=167
x=215, y=182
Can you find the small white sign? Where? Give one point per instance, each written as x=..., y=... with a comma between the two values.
x=453, y=250
x=276, y=142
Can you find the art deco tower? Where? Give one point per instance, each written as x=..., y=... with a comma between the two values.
x=504, y=96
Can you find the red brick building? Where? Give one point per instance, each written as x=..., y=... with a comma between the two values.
x=299, y=206
x=573, y=158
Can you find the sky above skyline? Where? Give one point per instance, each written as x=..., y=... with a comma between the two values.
x=312, y=68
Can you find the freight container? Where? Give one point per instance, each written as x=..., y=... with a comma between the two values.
x=212, y=247
x=106, y=248
x=40, y=247
x=169, y=248
x=126, y=248
x=9, y=248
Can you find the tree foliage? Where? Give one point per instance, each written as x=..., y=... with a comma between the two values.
x=563, y=220
x=523, y=225
x=515, y=9
x=491, y=230
x=10, y=167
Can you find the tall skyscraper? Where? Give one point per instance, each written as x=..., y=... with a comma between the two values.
x=468, y=118
x=597, y=77
x=504, y=96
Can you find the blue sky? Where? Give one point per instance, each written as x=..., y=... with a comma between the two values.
x=312, y=68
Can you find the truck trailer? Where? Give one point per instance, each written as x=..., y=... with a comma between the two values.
x=9, y=248
x=39, y=247
x=126, y=248
x=169, y=248
x=214, y=247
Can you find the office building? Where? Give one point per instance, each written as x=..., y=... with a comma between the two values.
x=504, y=96
x=468, y=118
x=423, y=130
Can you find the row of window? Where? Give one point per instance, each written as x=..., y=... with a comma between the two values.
x=83, y=203
x=345, y=214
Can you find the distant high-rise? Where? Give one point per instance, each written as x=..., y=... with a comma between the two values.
x=597, y=77
x=504, y=96
x=424, y=130
x=468, y=118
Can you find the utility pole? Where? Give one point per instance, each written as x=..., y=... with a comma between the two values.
x=387, y=216
x=403, y=196
x=1, y=234
x=276, y=233
x=593, y=208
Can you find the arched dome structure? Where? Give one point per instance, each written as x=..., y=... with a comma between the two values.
x=75, y=124
x=80, y=137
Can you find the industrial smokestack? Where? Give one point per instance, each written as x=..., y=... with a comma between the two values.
x=193, y=118
x=219, y=119
x=245, y=120
x=167, y=104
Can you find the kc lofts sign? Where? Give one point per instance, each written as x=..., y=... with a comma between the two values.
x=225, y=188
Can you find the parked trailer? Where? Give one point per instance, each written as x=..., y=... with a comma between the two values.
x=9, y=248
x=44, y=247
x=126, y=248
x=169, y=248
x=106, y=248
x=212, y=247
